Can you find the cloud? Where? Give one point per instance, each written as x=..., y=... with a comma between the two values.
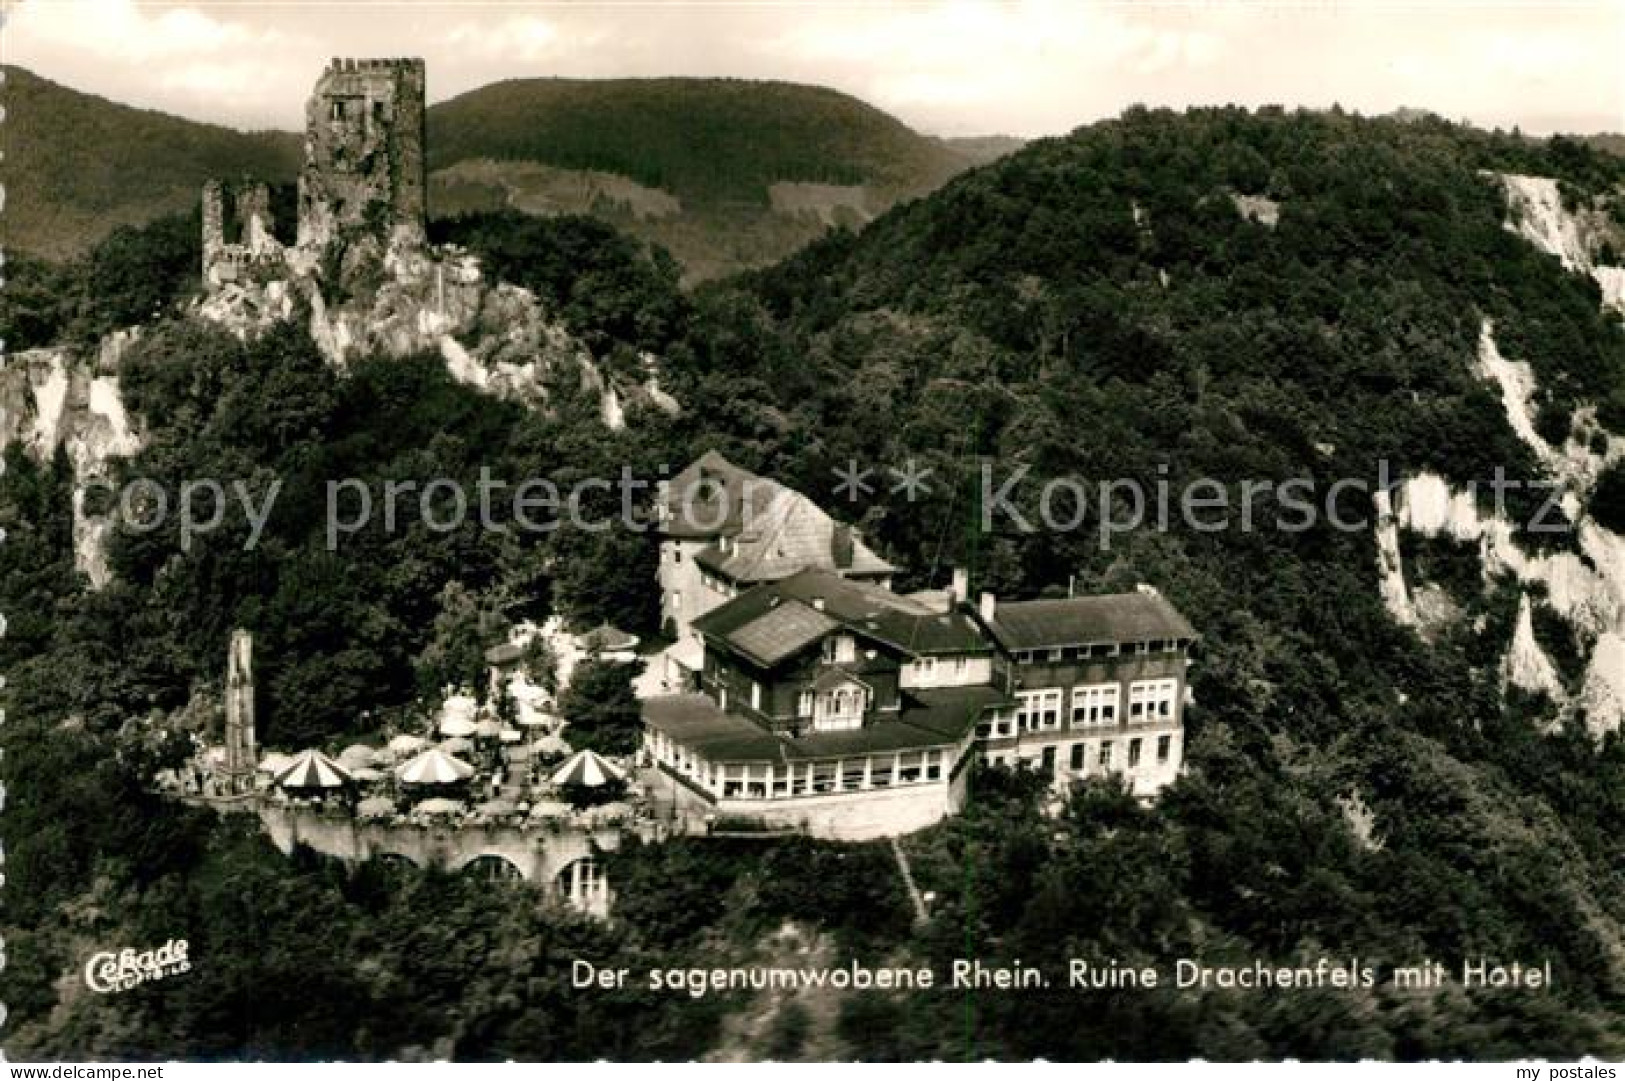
x=182, y=59
x=122, y=31
x=519, y=37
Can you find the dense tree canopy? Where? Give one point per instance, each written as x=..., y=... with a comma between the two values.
x=1096, y=307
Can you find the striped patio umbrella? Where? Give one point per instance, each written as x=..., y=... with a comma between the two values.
x=313, y=769
x=407, y=744
x=457, y=727
x=550, y=745
x=275, y=762
x=357, y=756
x=488, y=729
x=434, y=766
x=457, y=745
x=587, y=768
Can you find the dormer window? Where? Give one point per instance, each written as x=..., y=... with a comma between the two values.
x=839, y=649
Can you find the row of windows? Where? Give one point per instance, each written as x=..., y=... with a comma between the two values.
x=1098, y=651
x=1103, y=756
x=764, y=780
x=1091, y=704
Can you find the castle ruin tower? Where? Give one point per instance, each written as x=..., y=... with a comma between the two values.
x=241, y=760
x=237, y=232
x=365, y=172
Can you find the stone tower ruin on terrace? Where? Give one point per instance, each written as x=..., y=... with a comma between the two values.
x=364, y=177
x=364, y=168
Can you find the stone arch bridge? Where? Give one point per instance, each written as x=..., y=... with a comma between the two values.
x=561, y=860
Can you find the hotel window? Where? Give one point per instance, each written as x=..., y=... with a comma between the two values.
x=1106, y=754
x=933, y=765
x=733, y=781
x=852, y=776
x=1151, y=699
x=677, y=555
x=908, y=768
x=960, y=665
x=1133, y=753
x=880, y=770
x=1048, y=761
x=1109, y=649
x=1077, y=755
x=1057, y=653
x=804, y=704
x=1038, y=709
x=823, y=777
x=1164, y=746
x=1095, y=704
x=984, y=730
x=926, y=667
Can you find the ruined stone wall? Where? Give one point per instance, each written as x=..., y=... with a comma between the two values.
x=237, y=232
x=364, y=170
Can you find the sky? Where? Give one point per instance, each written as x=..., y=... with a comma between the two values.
x=955, y=67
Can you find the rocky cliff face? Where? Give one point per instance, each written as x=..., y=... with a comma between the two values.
x=61, y=399
x=1585, y=587
x=1538, y=215
x=492, y=335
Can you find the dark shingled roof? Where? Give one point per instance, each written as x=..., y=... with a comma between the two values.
x=1076, y=621
x=774, y=530
x=781, y=632
x=867, y=610
x=932, y=718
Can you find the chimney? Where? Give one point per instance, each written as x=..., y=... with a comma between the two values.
x=987, y=607
x=960, y=589
x=841, y=546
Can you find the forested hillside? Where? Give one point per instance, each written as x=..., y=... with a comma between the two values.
x=1164, y=297
x=726, y=173
x=78, y=166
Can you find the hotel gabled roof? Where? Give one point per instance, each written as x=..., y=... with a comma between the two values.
x=868, y=610
x=1076, y=621
x=929, y=718
x=773, y=531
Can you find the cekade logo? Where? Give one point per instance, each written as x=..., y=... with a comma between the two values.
x=108, y=971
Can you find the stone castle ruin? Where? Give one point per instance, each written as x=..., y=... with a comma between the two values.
x=237, y=233
x=364, y=179
x=360, y=266
x=364, y=154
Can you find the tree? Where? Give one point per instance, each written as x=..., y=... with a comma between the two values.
x=601, y=708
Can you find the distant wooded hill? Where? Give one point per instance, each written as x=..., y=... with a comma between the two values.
x=726, y=173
